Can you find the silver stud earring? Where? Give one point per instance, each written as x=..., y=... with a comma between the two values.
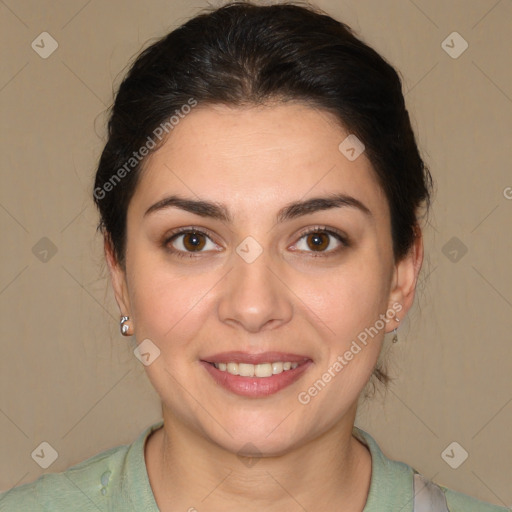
x=123, y=326
x=395, y=335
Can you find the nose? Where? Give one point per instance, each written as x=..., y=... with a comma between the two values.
x=254, y=297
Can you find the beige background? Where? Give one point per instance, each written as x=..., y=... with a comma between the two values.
x=69, y=378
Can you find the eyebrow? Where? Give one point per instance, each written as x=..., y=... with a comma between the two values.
x=219, y=211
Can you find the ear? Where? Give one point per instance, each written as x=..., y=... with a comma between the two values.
x=405, y=277
x=118, y=277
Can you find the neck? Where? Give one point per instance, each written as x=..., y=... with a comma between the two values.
x=187, y=471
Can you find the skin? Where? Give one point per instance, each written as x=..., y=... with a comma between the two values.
x=255, y=161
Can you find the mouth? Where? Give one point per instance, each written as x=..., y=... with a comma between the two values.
x=255, y=375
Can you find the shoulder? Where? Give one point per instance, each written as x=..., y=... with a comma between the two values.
x=81, y=487
x=115, y=479
x=393, y=486
x=459, y=502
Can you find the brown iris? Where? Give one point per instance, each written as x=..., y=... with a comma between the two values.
x=195, y=241
x=317, y=242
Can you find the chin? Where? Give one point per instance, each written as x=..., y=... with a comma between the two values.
x=257, y=434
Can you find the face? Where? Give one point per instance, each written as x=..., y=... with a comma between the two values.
x=254, y=274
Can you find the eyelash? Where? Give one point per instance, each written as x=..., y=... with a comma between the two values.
x=341, y=237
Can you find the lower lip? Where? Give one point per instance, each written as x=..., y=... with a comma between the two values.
x=256, y=387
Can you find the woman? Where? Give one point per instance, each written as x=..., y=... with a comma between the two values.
x=260, y=196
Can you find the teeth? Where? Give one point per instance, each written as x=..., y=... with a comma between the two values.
x=277, y=368
x=263, y=370
x=246, y=370
x=255, y=370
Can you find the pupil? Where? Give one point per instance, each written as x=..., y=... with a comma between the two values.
x=317, y=240
x=192, y=240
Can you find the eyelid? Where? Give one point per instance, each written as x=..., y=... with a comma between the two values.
x=171, y=235
x=339, y=235
x=322, y=228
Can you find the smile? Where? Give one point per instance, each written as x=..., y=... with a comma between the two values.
x=255, y=370
x=267, y=374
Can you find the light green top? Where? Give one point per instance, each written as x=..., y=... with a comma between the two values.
x=117, y=480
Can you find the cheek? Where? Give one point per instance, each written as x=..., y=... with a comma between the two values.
x=168, y=308
x=349, y=301
x=351, y=308
x=351, y=297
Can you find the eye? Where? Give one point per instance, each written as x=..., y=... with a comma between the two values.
x=185, y=242
x=319, y=239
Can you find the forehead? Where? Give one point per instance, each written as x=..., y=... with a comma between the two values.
x=256, y=158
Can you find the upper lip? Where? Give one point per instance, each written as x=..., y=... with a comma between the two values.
x=261, y=357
